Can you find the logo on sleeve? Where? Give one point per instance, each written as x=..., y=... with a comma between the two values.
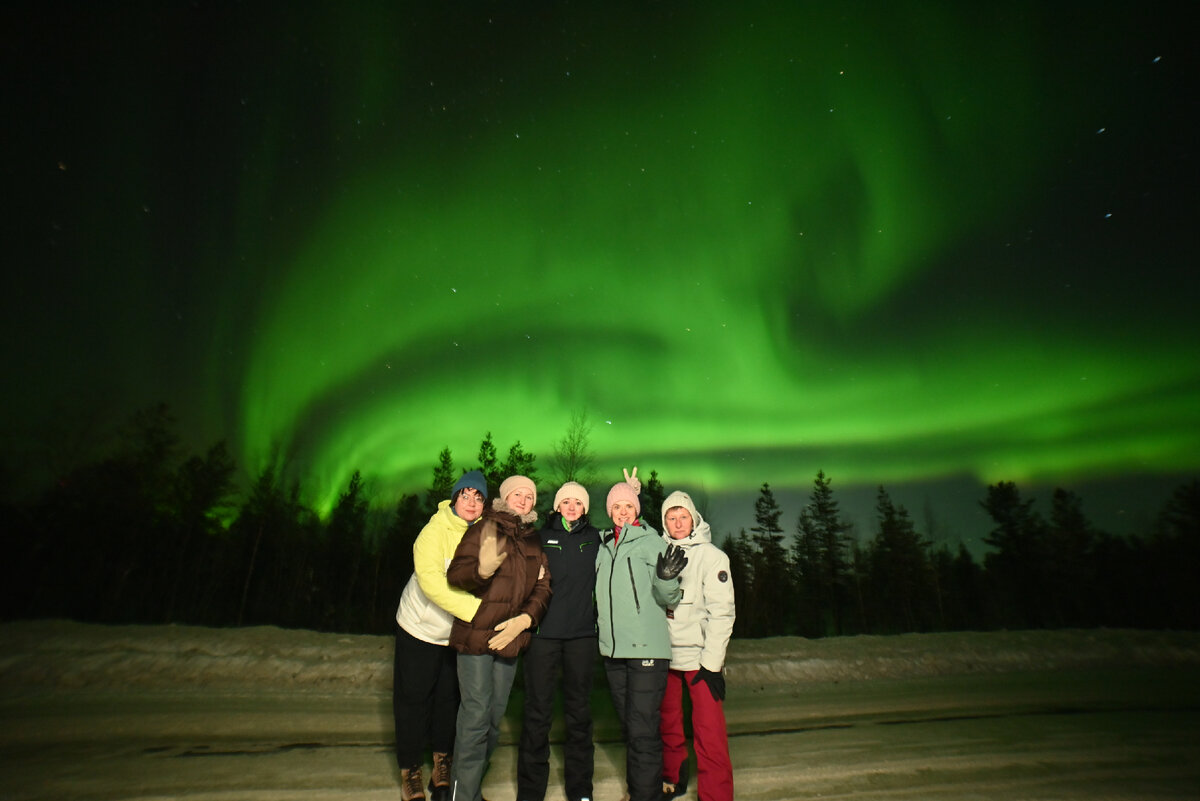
x=722, y=576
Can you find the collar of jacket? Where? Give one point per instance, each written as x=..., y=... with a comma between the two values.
x=500, y=506
x=634, y=530
x=560, y=523
x=700, y=534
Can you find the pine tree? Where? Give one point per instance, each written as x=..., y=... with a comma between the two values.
x=517, y=463
x=489, y=465
x=772, y=576
x=520, y=463
x=150, y=444
x=1017, y=566
x=1070, y=564
x=276, y=535
x=960, y=580
x=443, y=481
x=201, y=497
x=766, y=528
x=823, y=556
x=653, y=495
x=345, y=548
x=741, y=557
x=1173, y=557
x=1180, y=517
x=899, y=569
x=805, y=563
x=138, y=502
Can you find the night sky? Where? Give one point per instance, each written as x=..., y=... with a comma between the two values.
x=925, y=246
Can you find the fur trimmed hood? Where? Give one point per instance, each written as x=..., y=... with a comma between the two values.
x=500, y=506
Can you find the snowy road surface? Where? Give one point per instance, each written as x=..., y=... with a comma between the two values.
x=1092, y=732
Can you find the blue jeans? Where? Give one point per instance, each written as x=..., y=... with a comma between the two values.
x=484, y=683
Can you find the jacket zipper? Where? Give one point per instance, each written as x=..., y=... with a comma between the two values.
x=637, y=604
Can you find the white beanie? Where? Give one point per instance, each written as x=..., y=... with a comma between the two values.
x=682, y=499
x=513, y=482
x=572, y=489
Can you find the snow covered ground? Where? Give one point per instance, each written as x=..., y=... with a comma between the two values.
x=150, y=712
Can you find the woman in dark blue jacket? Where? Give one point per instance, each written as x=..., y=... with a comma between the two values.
x=565, y=641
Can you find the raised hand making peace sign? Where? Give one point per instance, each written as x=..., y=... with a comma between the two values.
x=632, y=480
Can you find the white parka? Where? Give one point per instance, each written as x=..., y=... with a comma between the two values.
x=702, y=623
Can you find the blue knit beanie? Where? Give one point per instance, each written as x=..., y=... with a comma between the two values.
x=472, y=480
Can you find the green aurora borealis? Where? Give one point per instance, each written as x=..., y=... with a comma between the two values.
x=900, y=245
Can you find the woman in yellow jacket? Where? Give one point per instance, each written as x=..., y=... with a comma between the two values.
x=424, y=679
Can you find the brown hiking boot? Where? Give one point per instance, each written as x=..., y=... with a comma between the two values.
x=411, y=784
x=439, y=782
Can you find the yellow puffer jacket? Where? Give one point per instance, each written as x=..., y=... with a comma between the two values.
x=429, y=603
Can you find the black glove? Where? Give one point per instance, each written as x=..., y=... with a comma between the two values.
x=715, y=682
x=671, y=563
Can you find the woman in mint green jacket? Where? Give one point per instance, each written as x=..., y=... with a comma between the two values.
x=637, y=580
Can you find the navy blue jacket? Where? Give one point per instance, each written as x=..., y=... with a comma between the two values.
x=572, y=558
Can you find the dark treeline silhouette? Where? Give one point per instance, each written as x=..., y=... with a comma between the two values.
x=147, y=535
x=1056, y=573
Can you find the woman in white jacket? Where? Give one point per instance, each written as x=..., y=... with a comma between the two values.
x=700, y=625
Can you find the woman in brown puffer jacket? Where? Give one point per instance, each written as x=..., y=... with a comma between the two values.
x=499, y=560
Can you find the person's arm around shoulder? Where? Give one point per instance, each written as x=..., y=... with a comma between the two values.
x=477, y=557
x=533, y=609
x=429, y=565
x=539, y=597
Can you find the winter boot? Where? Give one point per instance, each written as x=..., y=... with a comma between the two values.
x=411, y=784
x=439, y=782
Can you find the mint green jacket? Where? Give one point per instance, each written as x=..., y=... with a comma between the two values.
x=631, y=601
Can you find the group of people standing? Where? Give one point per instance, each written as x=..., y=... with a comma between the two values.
x=488, y=585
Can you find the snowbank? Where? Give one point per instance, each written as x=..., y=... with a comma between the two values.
x=782, y=660
x=63, y=654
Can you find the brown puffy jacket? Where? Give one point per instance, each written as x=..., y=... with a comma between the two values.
x=514, y=588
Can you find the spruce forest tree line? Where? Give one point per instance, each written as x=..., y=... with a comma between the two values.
x=148, y=535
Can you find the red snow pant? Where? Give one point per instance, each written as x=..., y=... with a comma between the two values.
x=714, y=779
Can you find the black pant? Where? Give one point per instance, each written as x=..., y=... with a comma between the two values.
x=541, y=663
x=424, y=698
x=637, y=687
